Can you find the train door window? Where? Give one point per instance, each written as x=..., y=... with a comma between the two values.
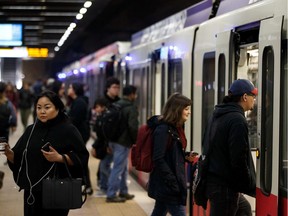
x=284, y=123
x=140, y=81
x=208, y=89
x=163, y=86
x=174, y=76
x=267, y=119
x=247, y=68
x=221, y=78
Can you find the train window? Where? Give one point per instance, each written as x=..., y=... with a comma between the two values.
x=174, y=76
x=208, y=89
x=267, y=120
x=284, y=123
x=221, y=78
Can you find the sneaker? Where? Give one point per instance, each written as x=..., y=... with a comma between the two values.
x=115, y=199
x=1, y=178
x=100, y=193
x=127, y=196
x=89, y=191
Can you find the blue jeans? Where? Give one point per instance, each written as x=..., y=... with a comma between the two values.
x=225, y=202
x=118, y=176
x=105, y=170
x=162, y=208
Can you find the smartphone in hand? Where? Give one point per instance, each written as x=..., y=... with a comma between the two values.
x=45, y=147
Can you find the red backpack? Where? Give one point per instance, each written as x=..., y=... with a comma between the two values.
x=141, y=153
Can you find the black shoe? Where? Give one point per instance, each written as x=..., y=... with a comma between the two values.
x=115, y=199
x=127, y=196
x=1, y=178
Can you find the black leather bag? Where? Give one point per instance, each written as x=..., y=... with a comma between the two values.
x=199, y=182
x=62, y=193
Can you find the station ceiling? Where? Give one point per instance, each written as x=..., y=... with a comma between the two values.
x=106, y=21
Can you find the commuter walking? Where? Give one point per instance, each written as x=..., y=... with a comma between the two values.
x=26, y=99
x=231, y=170
x=78, y=113
x=167, y=181
x=117, y=182
x=30, y=164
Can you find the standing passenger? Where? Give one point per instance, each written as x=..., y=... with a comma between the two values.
x=111, y=95
x=26, y=99
x=30, y=165
x=231, y=170
x=78, y=113
x=167, y=183
x=59, y=88
x=8, y=119
x=100, y=148
x=118, y=177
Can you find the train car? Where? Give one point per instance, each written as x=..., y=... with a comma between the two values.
x=200, y=55
x=94, y=69
x=248, y=41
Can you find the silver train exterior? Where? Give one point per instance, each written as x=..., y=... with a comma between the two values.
x=200, y=55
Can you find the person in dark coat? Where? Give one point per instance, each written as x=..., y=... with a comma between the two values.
x=167, y=181
x=26, y=99
x=30, y=164
x=78, y=113
x=231, y=169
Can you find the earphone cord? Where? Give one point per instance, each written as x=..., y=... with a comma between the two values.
x=24, y=155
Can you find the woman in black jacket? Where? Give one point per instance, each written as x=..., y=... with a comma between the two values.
x=30, y=164
x=167, y=182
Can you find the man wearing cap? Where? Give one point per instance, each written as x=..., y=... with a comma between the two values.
x=231, y=170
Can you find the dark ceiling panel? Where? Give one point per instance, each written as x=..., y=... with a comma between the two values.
x=105, y=22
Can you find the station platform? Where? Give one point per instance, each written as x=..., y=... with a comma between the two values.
x=11, y=201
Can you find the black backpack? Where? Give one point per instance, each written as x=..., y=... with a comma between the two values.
x=111, y=123
x=5, y=113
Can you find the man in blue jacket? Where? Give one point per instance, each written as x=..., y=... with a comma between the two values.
x=231, y=170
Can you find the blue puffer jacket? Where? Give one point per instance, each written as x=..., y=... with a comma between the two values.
x=167, y=182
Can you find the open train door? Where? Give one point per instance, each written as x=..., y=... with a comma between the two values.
x=268, y=117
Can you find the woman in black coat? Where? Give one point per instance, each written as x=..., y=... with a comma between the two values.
x=167, y=182
x=30, y=164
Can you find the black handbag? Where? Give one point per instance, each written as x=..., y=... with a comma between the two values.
x=62, y=193
x=200, y=174
x=199, y=182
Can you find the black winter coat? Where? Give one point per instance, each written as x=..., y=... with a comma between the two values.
x=167, y=181
x=63, y=136
x=231, y=162
x=79, y=116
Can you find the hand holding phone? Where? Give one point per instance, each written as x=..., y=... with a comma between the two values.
x=45, y=147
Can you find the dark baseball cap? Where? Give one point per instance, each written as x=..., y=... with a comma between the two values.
x=242, y=86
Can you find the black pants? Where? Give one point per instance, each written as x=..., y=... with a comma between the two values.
x=225, y=202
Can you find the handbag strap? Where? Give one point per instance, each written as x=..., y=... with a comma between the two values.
x=70, y=176
x=66, y=166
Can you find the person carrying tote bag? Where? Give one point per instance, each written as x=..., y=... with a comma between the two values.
x=31, y=164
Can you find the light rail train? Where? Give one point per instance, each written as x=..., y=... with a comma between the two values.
x=199, y=52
